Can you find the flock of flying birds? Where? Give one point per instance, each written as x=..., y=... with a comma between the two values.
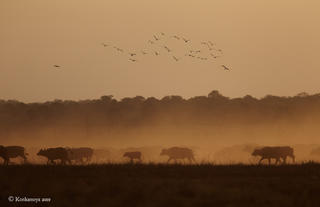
x=157, y=46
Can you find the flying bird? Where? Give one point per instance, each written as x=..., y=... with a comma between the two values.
x=156, y=38
x=190, y=55
x=56, y=66
x=156, y=53
x=211, y=43
x=105, y=45
x=119, y=49
x=207, y=44
x=219, y=50
x=186, y=40
x=175, y=58
x=225, y=67
x=214, y=56
x=175, y=36
x=132, y=54
x=133, y=60
x=167, y=48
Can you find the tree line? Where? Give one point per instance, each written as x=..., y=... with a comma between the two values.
x=214, y=109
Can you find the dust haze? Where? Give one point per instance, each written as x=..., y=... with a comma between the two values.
x=219, y=129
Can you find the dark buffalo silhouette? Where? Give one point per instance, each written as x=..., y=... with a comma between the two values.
x=53, y=154
x=175, y=153
x=133, y=155
x=80, y=155
x=12, y=152
x=277, y=153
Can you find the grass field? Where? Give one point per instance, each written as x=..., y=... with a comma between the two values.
x=151, y=185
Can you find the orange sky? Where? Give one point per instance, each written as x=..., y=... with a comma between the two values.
x=272, y=46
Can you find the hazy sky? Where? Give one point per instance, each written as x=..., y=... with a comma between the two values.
x=272, y=46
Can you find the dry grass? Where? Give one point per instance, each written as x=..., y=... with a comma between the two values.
x=164, y=185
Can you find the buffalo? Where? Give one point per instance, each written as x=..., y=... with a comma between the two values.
x=80, y=155
x=274, y=153
x=12, y=152
x=133, y=155
x=53, y=154
x=175, y=153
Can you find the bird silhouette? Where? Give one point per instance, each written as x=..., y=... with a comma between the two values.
x=105, y=45
x=207, y=44
x=156, y=53
x=56, y=66
x=133, y=60
x=214, y=56
x=175, y=58
x=175, y=36
x=211, y=43
x=156, y=38
x=195, y=51
x=218, y=50
x=167, y=48
x=186, y=40
x=119, y=49
x=225, y=67
x=132, y=54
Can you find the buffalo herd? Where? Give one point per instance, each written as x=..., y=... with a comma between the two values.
x=83, y=155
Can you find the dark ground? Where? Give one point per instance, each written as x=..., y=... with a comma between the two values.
x=163, y=185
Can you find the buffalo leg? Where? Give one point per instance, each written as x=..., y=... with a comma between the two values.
x=51, y=162
x=293, y=158
x=285, y=160
x=82, y=161
x=69, y=161
x=262, y=158
x=63, y=161
x=24, y=159
x=6, y=161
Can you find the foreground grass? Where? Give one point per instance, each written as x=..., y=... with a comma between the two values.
x=164, y=185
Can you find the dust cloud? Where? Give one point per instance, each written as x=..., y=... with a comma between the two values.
x=218, y=129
